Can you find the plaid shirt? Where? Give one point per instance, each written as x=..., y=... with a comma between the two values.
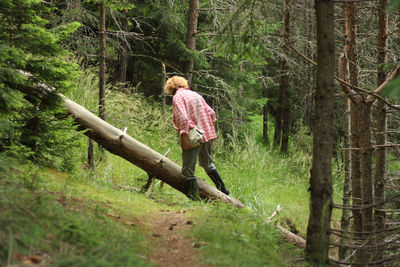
x=185, y=113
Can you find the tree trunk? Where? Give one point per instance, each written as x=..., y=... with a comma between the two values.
x=285, y=79
x=351, y=58
x=355, y=172
x=344, y=74
x=265, y=109
x=90, y=154
x=163, y=79
x=191, y=37
x=102, y=65
x=123, y=64
x=364, y=130
x=102, y=62
x=121, y=144
x=240, y=91
x=285, y=124
x=381, y=128
x=124, y=49
x=308, y=75
x=317, y=245
x=282, y=118
x=345, y=219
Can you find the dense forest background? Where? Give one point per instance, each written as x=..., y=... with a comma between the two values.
x=255, y=64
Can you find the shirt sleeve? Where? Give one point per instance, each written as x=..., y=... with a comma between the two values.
x=211, y=112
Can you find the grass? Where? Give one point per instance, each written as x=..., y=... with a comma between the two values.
x=45, y=214
x=254, y=173
x=77, y=225
x=240, y=238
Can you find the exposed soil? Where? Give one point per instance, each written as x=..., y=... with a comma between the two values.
x=169, y=233
x=171, y=245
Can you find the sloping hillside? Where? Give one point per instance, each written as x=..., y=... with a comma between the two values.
x=102, y=217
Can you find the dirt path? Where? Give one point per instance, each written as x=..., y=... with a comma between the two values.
x=169, y=239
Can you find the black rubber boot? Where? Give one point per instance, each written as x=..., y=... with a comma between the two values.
x=217, y=180
x=193, y=189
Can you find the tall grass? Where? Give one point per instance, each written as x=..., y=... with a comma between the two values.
x=77, y=229
x=43, y=219
x=254, y=173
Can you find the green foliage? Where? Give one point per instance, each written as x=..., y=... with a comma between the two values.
x=79, y=231
x=394, y=4
x=392, y=88
x=234, y=237
x=35, y=220
x=246, y=26
x=30, y=54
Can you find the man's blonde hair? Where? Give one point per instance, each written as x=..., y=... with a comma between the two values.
x=174, y=83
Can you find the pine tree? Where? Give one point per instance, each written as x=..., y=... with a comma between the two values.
x=30, y=53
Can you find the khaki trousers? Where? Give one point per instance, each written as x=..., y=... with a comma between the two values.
x=189, y=158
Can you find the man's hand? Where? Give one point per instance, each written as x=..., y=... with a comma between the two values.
x=185, y=143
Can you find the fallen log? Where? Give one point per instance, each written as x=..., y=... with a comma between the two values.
x=119, y=143
x=291, y=237
x=286, y=234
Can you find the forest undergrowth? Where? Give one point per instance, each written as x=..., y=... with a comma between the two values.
x=83, y=217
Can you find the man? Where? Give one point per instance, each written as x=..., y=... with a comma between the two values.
x=190, y=110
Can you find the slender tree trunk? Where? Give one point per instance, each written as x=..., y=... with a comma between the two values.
x=344, y=74
x=355, y=172
x=90, y=154
x=345, y=219
x=123, y=64
x=124, y=49
x=308, y=73
x=285, y=80
x=352, y=55
x=381, y=127
x=282, y=124
x=317, y=245
x=364, y=130
x=278, y=124
x=265, y=109
x=240, y=91
x=191, y=37
x=163, y=78
x=102, y=65
x=285, y=124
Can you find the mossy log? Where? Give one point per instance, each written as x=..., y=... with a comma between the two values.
x=119, y=143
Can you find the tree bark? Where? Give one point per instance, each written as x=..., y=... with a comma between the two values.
x=283, y=113
x=308, y=75
x=317, y=245
x=121, y=144
x=381, y=127
x=124, y=64
x=124, y=49
x=191, y=37
x=265, y=109
x=102, y=63
x=352, y=56
x=240, y=91
x=164, y=97
x=344, y=74
x=364, y=131
x=102, y=66
x=90, y=154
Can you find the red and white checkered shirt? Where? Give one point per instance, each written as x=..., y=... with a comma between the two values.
x=185, y=113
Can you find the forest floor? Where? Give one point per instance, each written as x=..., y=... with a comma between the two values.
x=167, y=232
x=170, y=239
